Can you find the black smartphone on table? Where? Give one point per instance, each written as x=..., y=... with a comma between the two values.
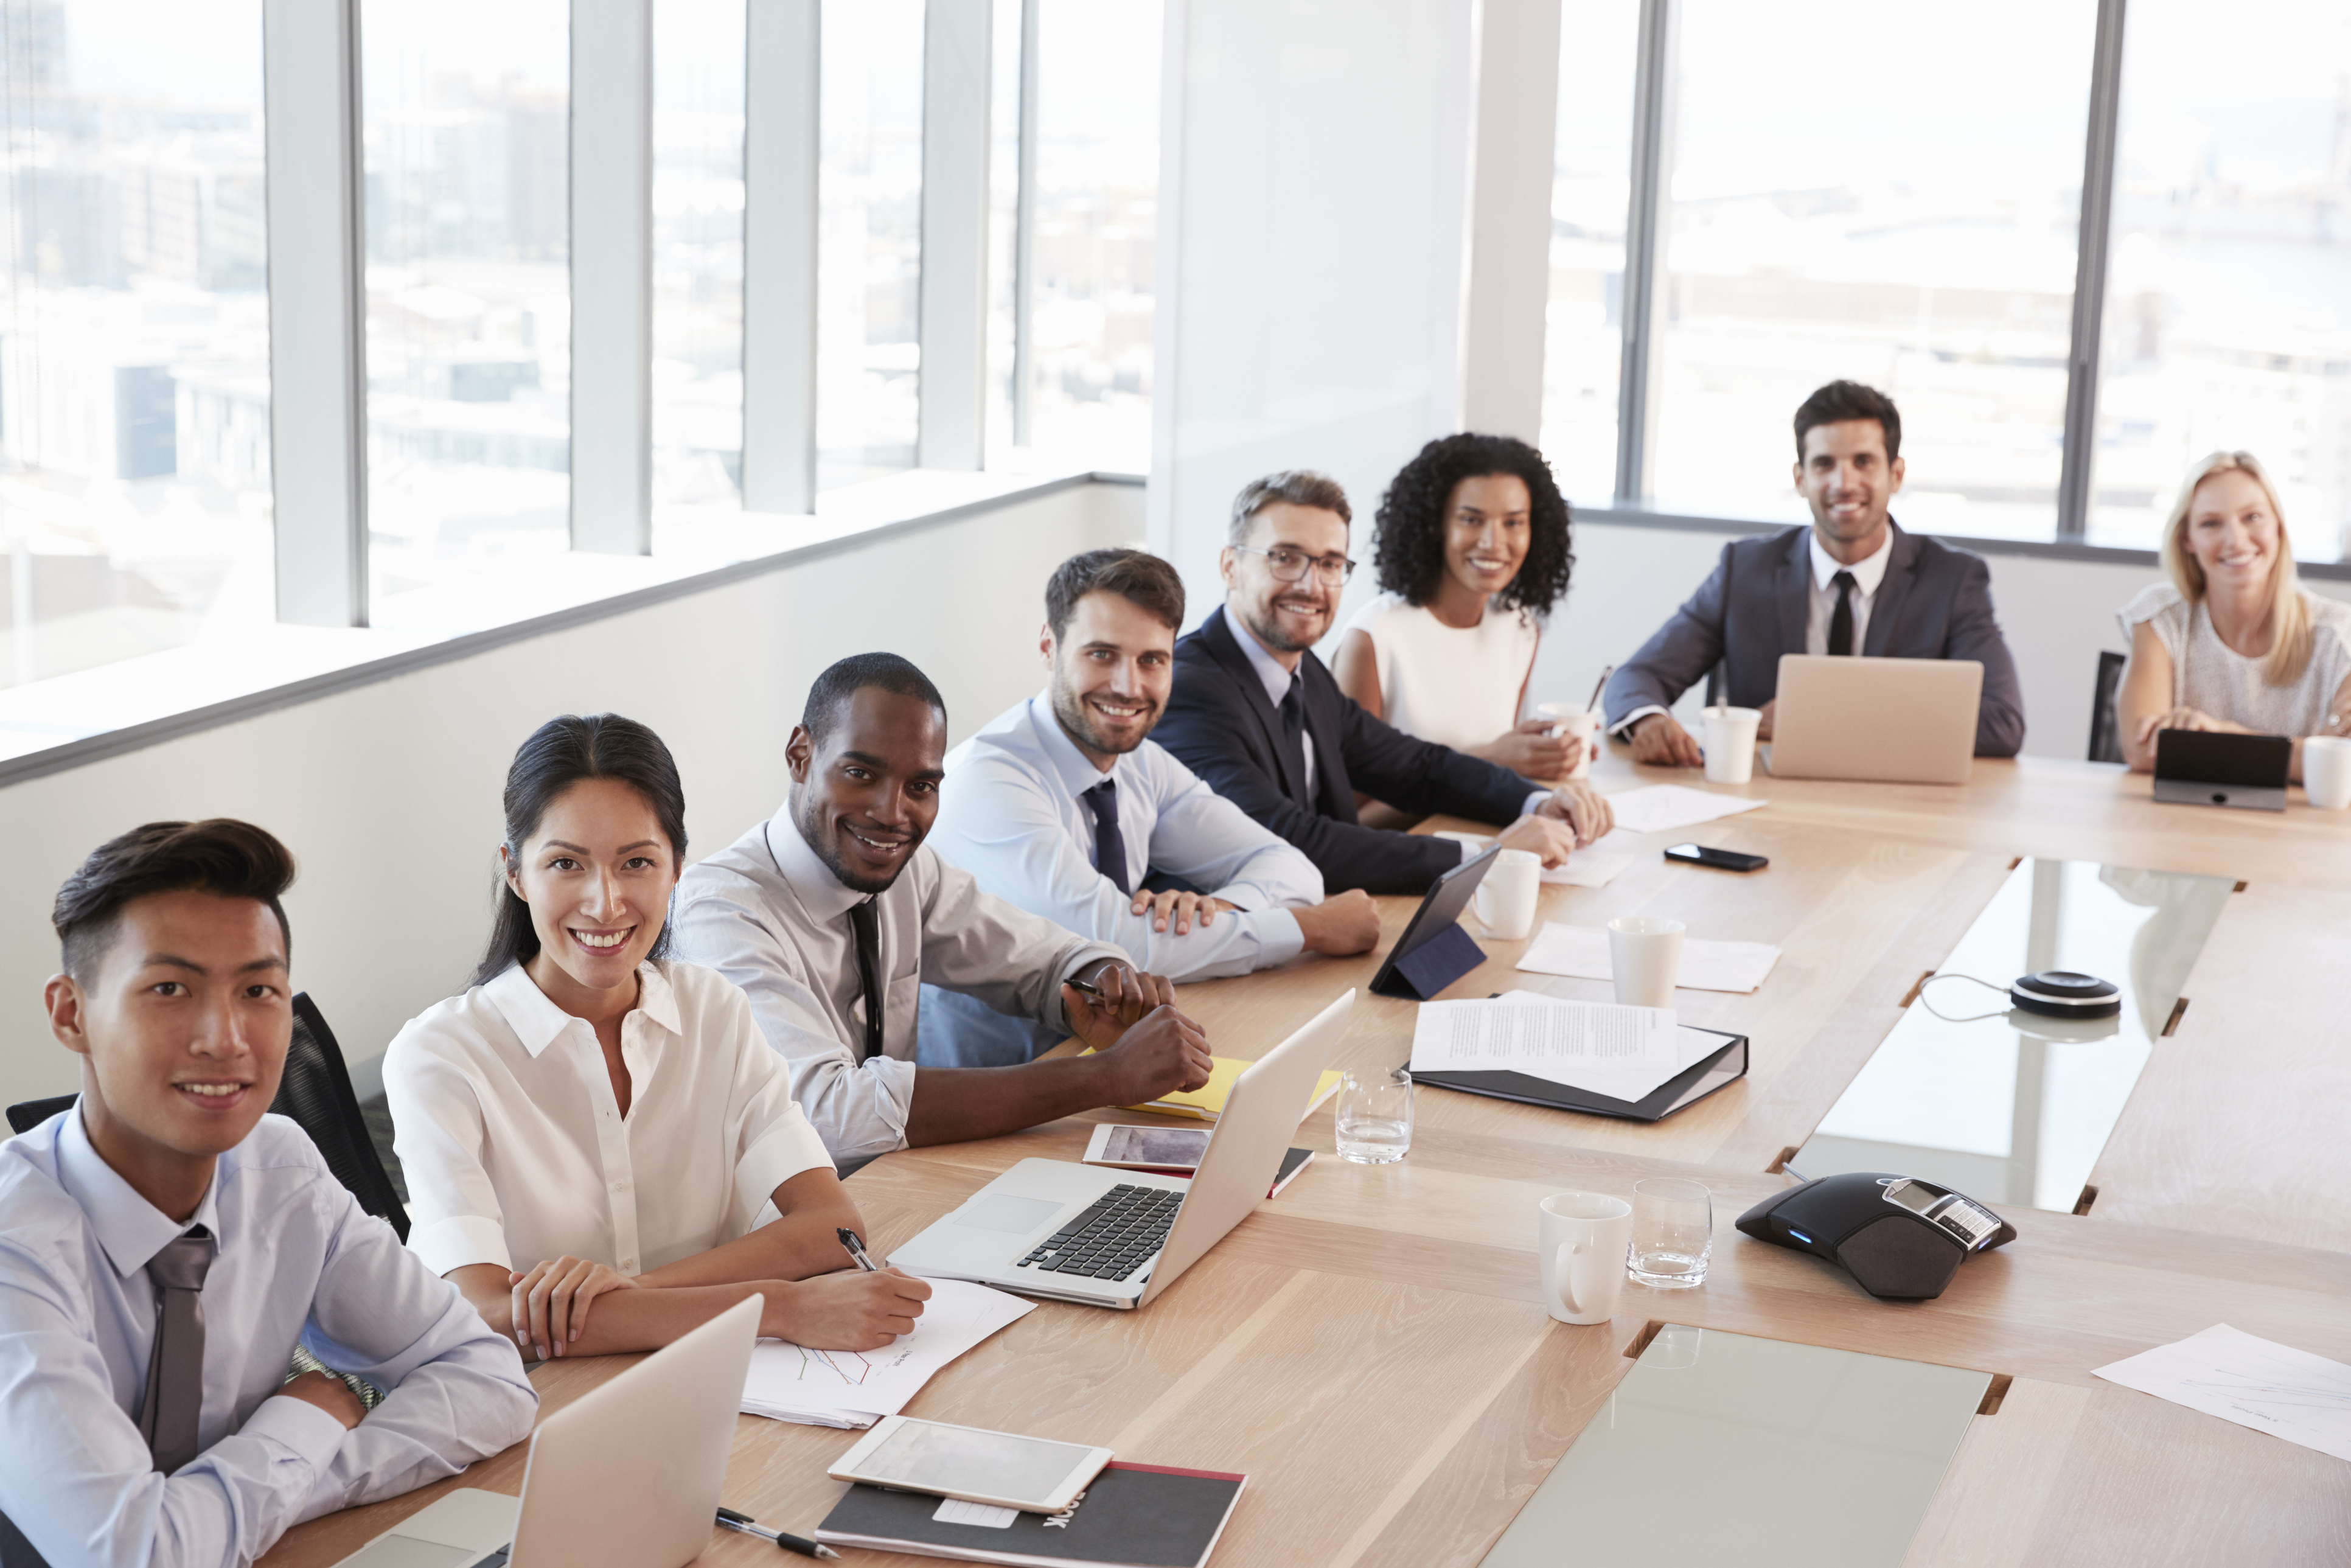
x=1721, y=860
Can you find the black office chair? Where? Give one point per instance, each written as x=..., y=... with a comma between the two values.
x=314, y=1092
x=317, y=1092
x=27, y=1115
x=2105, y=725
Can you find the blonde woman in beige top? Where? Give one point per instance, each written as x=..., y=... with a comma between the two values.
x=2232, y=643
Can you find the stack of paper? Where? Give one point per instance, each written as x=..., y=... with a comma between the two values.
x=1622, y=1052
x=1582, y=952
x=853, y=1389
x=2255, y=1383
x=1668, y=808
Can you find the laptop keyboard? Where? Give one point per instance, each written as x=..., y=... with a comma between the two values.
x=1114, y=1239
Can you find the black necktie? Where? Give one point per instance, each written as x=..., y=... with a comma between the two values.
x=1293, y=735
x=867, y=927
x=175, y=1367
x=1110, y=844
x=1840, y=623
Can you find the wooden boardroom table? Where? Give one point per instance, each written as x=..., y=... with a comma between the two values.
x=1369, y=1349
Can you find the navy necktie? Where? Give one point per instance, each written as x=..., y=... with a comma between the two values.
x=175, y=1367
x=1110, y=844
x=1840, y=623
x=1293, y=735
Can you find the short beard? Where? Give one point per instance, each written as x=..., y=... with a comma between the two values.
x=1276, y=641
x=827, y=849
x=1070, y=712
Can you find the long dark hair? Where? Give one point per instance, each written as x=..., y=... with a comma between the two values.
x=1410, y=553
x=561, y=753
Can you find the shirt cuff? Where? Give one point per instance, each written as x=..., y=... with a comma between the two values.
x=461, y=1239
x=300, y=1427
x=1534, y=802
x=1624, y=727
x=1280, y=937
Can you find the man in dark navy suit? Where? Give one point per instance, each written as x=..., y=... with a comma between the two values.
x=1853, y=583
x=1259, y=717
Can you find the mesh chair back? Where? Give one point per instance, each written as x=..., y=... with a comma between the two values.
x=2105, y=725
x=27, y=1115
x=316, y=1092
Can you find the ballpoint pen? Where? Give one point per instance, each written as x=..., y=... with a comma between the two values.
x=731, y=1520
x=856, y=1248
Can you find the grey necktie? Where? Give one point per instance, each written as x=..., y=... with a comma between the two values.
x=175, y=1368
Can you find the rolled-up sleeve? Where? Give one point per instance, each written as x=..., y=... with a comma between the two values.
x=988, y=948
x=774, y=1141
x=438, y=1135
x=86, y=1493
x=857, y=1110
x=456, y=1389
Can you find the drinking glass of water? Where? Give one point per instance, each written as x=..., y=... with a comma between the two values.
x=1374, y=1116
x=1673, y=1232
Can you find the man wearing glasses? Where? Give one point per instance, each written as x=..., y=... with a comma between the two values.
x=1262, y=720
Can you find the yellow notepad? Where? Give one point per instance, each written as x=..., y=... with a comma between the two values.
x=1208, y=1101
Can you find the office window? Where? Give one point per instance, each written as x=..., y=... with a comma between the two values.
x=1589, y=196
x=2228, y=319
x=1094, y=217
x=134, y=330
x=868, y=239
x=697, y=370
x=1883, y=192
x=466, y=130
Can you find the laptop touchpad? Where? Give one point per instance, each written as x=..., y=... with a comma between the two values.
x=407, y=1552
x=1005, y=1212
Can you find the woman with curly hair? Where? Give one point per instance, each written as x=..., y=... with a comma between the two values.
x=1473, y=552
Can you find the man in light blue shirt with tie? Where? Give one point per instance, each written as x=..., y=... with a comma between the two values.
x=1065, y=806
x=163, y=1246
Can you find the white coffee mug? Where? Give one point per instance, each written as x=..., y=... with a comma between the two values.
x=1506, y=898
x=1581, y=1247
x=1644, y=954
x=2326, y=772
x=1566, y=718
x=1730, y=744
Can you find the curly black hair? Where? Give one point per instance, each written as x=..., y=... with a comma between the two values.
x=1410, y=553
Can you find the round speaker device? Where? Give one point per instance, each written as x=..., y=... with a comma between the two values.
x=2062, y=993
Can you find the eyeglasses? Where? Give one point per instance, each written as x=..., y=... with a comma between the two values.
x=1289, y=565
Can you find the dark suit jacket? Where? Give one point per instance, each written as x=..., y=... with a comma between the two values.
x=1221, y=724
x=1935, y=602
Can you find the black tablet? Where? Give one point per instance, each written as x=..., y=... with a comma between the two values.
x=1433, y=943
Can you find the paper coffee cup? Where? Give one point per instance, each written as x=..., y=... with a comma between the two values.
x=1730, y=744
x=1566, y=718
x=1644, y=954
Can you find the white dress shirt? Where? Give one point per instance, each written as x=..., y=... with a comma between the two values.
x=1820, y=606
x=770, y=915
x=296, y=1259
x=516, y=1150
x=1277, y=682
x=1012, y=814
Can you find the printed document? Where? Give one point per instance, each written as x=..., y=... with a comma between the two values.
x=1669, y=808
x=2255, y=1383
x=853, y=1389
x=1622, y=1052
x=1596, y=865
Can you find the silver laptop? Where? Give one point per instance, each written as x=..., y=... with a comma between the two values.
x=1116, y=1238
x=1895, y=721
x=626, y=1476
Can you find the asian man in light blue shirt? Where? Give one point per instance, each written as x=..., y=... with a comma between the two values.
x=165, y=1245
x=1065, y=806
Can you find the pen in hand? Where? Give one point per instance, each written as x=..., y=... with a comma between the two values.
x=856, y=1248
x=732, y=1520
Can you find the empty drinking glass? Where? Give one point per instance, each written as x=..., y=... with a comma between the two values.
x=1673, y=1232
x=1374, y=1116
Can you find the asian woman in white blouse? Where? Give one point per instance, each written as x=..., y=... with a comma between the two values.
x=1473, y=552
x=602, y=1149
x=2232, y=642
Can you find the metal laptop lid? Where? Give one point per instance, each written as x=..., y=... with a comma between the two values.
x=1892, y=721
